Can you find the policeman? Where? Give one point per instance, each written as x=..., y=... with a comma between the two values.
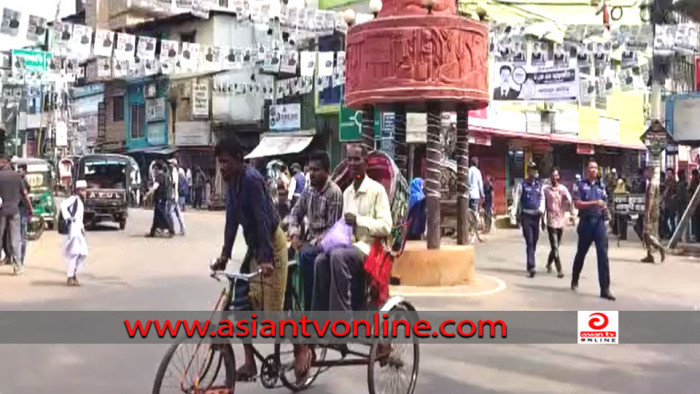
x=590, y=201
x=531, y=209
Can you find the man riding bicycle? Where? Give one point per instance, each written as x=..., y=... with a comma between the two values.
x=249, y=205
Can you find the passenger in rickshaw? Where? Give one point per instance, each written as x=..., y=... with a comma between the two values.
x=248, y=204
x=322, y=205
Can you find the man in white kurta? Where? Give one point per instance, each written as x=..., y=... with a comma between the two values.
x=75, y=245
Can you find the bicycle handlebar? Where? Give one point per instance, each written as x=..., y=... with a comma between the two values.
x=234, y=276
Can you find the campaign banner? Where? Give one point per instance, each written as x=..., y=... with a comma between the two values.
x=512, y=82
x=104, y=42
x=126, y=46
x=146, y=49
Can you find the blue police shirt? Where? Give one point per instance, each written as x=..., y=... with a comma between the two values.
x=531, y=197
x=590, y=191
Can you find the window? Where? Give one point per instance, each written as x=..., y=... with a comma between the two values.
x=188, y=37
x=118, y=109
x=137, y=117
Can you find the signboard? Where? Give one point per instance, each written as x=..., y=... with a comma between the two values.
x=656, y=138
x=192, y=134
x=683, y=116
x=157, y=134
x=34, y=61
x=628, y=203
x=514, y=82
x=582, y=149
x=155, y=110
x=200, y=99
x=101, y=122
x=350, y=128
x=387, y=126
x=285, y=117
x=61, y=134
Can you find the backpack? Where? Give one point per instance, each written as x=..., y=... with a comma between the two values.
x=65, y=223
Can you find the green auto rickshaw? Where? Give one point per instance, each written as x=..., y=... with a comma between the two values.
x=40, y=176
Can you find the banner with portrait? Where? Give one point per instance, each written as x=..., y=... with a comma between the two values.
x=513, y=82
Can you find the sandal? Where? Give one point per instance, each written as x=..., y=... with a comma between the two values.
x=302, y=365
x=243, y=374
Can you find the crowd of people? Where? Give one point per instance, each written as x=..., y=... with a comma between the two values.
x=313, y=205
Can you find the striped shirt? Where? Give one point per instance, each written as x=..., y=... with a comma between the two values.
x=322, y=208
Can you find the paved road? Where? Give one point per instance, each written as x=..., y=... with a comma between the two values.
x=127, y=272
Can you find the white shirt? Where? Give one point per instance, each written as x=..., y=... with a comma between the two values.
x=75, y=243
x=476, y=184
x=175, y=175
x=370, y=204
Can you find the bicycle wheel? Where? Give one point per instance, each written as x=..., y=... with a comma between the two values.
x=195, y=369
x=397, y=372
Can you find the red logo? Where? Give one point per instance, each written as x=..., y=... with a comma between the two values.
x=597, y=321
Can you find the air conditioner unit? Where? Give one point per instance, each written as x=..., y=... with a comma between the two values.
x=150, y=91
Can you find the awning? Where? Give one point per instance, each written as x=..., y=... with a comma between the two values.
x=278, y=145
x=156, y=150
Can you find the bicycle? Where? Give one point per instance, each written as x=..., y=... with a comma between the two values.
x=276, y=367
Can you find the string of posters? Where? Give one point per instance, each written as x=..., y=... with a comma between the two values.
x=587, y=64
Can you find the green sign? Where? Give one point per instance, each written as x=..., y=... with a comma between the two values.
x=34, y=61
x=331, y=4
x=350, y=128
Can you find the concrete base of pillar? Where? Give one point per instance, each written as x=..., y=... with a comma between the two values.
x=448, y=266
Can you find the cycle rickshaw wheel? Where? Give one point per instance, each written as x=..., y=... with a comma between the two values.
x=397, y=373
x=194, y=368
x=284, y=356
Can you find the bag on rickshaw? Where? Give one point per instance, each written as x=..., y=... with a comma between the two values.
x=339, y=236
x=379, y=262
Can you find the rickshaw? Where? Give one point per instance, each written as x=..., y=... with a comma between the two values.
x=40, y=176
x=200, y=376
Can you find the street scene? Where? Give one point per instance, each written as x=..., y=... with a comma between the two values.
x=399, y=159
x=167, y=274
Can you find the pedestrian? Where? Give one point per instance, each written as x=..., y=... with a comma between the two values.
x=488, y=203
x=530, y=208
x=175, y=210
x=476, y=185
x=199, y=183
x=249, y=206
x=283, y=192
x=695, y=218
x=590, y=200
x=297, y=184
x=670, y=203
x=75, y=248
x=162, y=196
x=12, y=191
x=683, y=201
x=190, y=190
x=23, y=214
x=652, y=204
x=557, y=202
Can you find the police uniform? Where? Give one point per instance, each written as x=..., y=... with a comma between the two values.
x=591, y=229
x=532, y=207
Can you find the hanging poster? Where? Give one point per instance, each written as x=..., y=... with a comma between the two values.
x=62, y=34
x=10, y=22
x=126, y=46
x=686, y=41
x=308, y=63
x=104, y=42
x=271, y=64
x=516, y=83
x=146, y=49
x=290, y=59
x=540, y=53
x=150, y=67
x=81, y=44
x=169, y=51
x=36, y=30
x=228, y=58
x=664, y=40
x=210, y=58
x=104, y=67
x=120, y=68
x=325, y=64
x=189, y=57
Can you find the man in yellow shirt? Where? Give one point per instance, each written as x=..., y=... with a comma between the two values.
x=365, y=207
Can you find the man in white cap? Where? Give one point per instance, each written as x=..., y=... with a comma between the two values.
x=75, y=247
x=175, y=205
